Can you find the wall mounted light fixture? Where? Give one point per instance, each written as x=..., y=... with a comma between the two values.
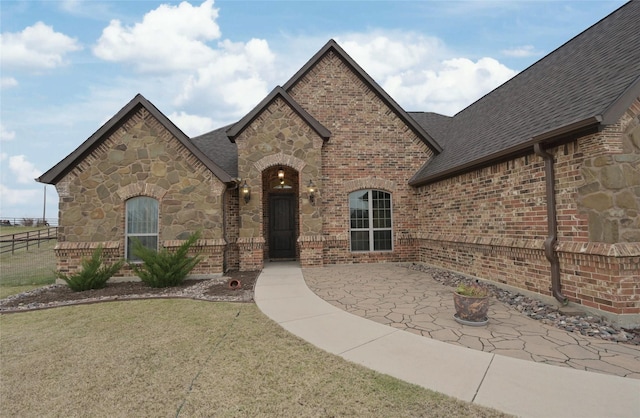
x=281, y=175
x=246, y=192
x=312, y=189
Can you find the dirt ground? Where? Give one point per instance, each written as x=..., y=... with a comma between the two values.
x=234, y=286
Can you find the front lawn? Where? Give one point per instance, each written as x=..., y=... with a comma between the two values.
x=189, y=358
x=25, y=270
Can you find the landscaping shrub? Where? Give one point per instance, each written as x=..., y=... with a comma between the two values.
x=163, y=268
x=94, y=274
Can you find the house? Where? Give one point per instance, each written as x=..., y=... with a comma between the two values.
x=535, y=186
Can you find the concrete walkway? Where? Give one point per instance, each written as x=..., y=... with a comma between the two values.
x=512, y=385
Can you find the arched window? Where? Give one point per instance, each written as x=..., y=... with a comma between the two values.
x=370, y=215
x=142, y=224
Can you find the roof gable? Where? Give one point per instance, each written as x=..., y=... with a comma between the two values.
x=401, y=113
x=53, y=175
x=584, y=84
x=237, y=128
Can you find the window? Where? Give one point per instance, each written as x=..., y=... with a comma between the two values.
x=370, y=212
x=142, y=224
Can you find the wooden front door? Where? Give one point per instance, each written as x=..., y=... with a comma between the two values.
x=282, y=226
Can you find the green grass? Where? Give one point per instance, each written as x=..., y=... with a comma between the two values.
x=27, y=269
x=188, y=358
x=10, y=230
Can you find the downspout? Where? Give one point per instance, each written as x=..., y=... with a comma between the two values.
x=552, y=223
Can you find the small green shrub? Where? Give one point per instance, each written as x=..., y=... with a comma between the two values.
x=93, y=275
x=163, y=268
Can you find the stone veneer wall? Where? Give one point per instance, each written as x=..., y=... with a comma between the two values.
x=277, y=137
x=491, y=223
x=370, y=147
x=141, y=158
x=610, y=195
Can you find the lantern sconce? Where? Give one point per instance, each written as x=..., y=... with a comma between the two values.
x=246, y=192
x=281, y=175
x=312, y=189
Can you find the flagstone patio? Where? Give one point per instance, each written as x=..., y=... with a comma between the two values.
x=413, y=301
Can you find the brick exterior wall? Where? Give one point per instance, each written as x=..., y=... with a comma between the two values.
x=370, y=147
x=231, y=225
x=141, y=158
x=491, y=223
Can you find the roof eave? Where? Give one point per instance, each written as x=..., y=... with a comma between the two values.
x=553, y=137
x=622, y=103
x=53, y=175
x=235, y=130
x=59, y=170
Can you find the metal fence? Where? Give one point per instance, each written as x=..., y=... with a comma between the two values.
x=27, y=258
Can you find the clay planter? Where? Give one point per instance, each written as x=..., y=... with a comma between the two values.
x=471, y=310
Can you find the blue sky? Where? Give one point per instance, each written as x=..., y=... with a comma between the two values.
x=67, y=66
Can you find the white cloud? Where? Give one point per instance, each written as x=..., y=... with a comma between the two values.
x=8, y=82
x=71, y=6
x=5, y=134
x=12, y=197
x=169, y=38
x=227, y=78
x=192, y=125
x=382, y=54
x=420, y=73
x=237, y=77
x=449, y=87
x=24, y=171
x=521, y=51
x=36, y=47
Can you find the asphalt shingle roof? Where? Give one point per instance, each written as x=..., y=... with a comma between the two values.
x=580, y=82
x=219, y=148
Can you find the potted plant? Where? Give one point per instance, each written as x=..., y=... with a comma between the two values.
x=472, y=303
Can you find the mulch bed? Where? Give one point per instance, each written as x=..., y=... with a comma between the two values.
x=216, y=289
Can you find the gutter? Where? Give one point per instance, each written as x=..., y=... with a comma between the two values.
x=559, y=136
x=552, y=223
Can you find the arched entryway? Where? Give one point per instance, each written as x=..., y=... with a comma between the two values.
x=280, y=212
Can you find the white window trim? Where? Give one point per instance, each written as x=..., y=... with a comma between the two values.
x=371, y=229
x=126, y=229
